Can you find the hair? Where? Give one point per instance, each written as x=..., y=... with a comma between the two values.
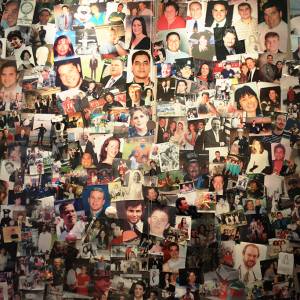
x=143, y=109
x=173, y=244
x=195, y=2
x=241, y=92
x=65, y=6
x=178, y=201
x=60, y=63
x=140, y=52
x=172, y=33
x=171, y=3
x=139, y=282
x=210, y=73
x=15, y=33
x=63, y=206
x=9, y=64
x=144, y=29
x=181, y=80
x=244, y=4
x=230, y=30
x=96, y=190
x=270, y=4
x=251, y=245
x=103, y=152
x=23, y=54
x=164, y=210
x=279, y=114
x=109, y=93
x=222, y=3
x=261, y=146
x=70, y=51
x=120, y=4
x=133, y=203
x=215, y=118
x=279, y=146
x=9, y=163
x=271, y=34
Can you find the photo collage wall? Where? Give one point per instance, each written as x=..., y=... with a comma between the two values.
x=149, y=150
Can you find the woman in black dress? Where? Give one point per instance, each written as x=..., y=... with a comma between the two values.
x=139, y=37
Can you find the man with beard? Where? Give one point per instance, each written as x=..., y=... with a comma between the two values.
x=279, y=125
x=246, y=268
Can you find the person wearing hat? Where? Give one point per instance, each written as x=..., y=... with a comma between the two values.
x=185, y=68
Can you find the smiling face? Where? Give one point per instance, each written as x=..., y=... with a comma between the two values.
x=134, y=213
x=10, y=14
x=44, y=17
x=69, y=215
x=15, y=42
x=229, y=40
x=170, y=12
x=245, y=12
x=173, y=42
x=137, y=27
x=272, y=16
x=158, y=222
x=141, y=68
x=248, y=103
x=204, y=70
x=272, y=44
x=9, y=77
x=138, y=291
x=280, y=122
x=113, y=148
x=96, y=200
x=69, y=75
x=63, y=47
x=279, y=153
x=193, y=170
x=219, y=12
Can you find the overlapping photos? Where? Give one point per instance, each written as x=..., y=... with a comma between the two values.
x=149, y=150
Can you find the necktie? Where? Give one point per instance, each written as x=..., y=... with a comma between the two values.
x=111, y=82
x=195, y=27
x=246, y=277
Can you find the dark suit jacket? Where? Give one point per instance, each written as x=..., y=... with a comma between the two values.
x=120, y=81
x=199, y=142
x=210, y=140
x=164, y=96
x=255, y=77
x=222, y=52
x=160, y=134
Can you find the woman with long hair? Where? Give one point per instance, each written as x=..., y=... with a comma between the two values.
x=190, y=137
x=247, y=101
x=139, y=38
x=272, y=102
x=178, y=136
x=243, y=73
x=109, y=151
x=172, y=128
x=205, y=77
x=63, y=47
x=258, y=158
x=149, y=98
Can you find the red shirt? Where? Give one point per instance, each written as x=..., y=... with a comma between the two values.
x=162, y=23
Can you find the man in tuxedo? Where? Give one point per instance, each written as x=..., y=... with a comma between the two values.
x=164, y=92
x=199, y=137
x=161, y=130
x=219, y=14
x=229, y=45
x=133, y=216
x=65, y=20
x=117, y=76
x=214, y=137
x=253, y=74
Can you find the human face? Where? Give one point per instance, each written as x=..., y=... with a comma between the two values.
x=69, y=75
x=152, y=194
x=158, y=222
x=116, y=68
x=186, y=72
x=134, y=93
x=113, y=148
x=141, y=67
x=204, y=70
x=192, y=278
x=63, y=47
x=69, y=215
x=120, y=8
x=96, y=200
x=86, y=160
x=250, y=257
x=195, y=10
x=248, y=103
x=138, y=291
x=184, y=206
x=173, y=43
x=140, y=120
x=272, y=44
x=44, y=17
x=181, y=88
x=270, y=59
x=134, y=213
x=215, y=125
x=280, y=122
x=9, y=77
x=273, y=95
x=26, y=56
x=9, y=168
x=10, y=14
x=229, y=40
x=137, y=27
x=245, y=12
x=250, y=205
x=279, y=154
x=219, y=12
x=272, y=17
x=103, y=284
x=193, y=170
x=15, y=42
x=165, y=70
x=218, y=183
x=170, y=12
x=203, y=42
x=250, y=63
x=174, y=252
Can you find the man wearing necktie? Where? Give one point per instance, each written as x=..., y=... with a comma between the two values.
x=65, y=20
x=250, y=259
x=220, y=15
x=196, y=23
x=214, y=137
x=133, y=213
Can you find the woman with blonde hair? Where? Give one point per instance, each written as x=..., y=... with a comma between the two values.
x=258, y=159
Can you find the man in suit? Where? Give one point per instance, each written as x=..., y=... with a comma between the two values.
x=214, y=137
x=219, y=15
x=93, y=66
x=161, y=130
x=268, y=71
x=199, y=137
x=229, y=45
x=117, y=76
x=253, y=74
x=133, y=216
x=184, y=209
x=164, y=92
x=218, y=159
x=65, y=20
